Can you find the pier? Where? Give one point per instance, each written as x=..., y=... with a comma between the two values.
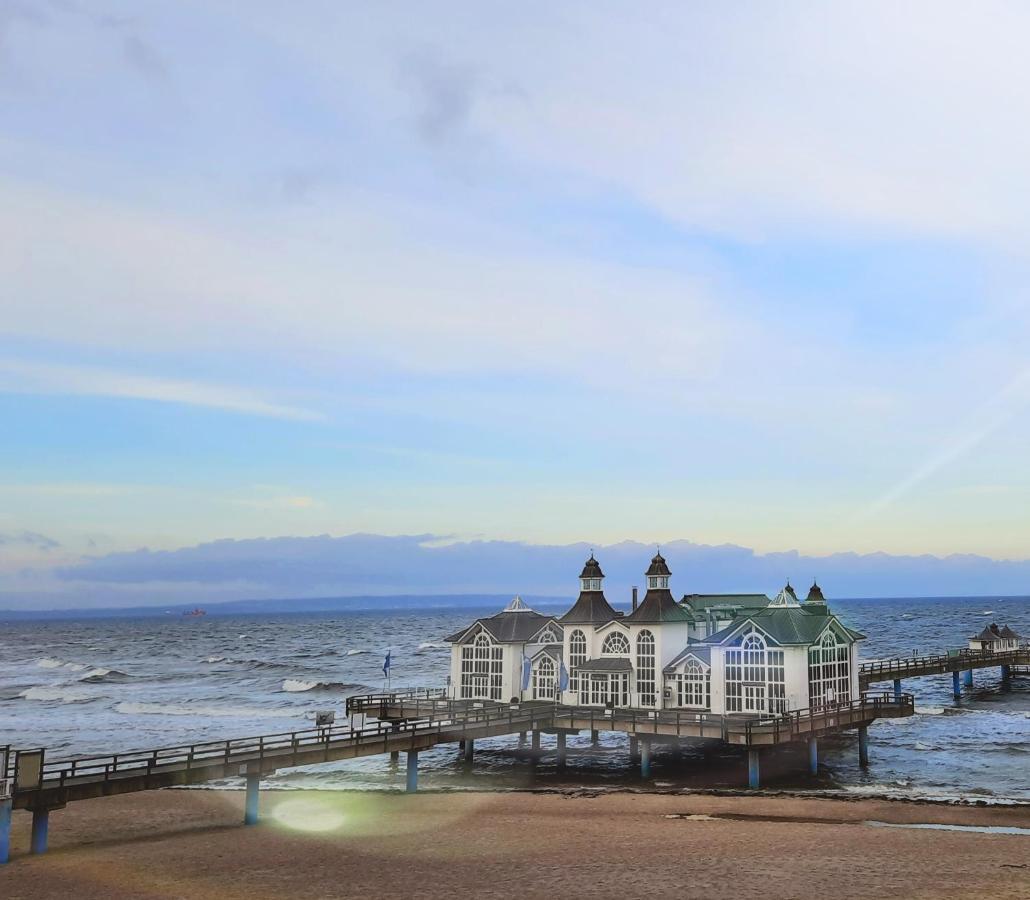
x=959, y=663
x=408, y=722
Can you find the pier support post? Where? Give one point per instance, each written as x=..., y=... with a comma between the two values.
x=6, y=807
x=956, y=687
x=645, y=758
x=40, y=830
x=967, y=678
x=561, y=749
x=536, y=740
x=395, y=756
x=897, y=690
x=753, y=780
x=1006, y=673
x=813, y=756
x=470, y=750
x=412, y=784
x=863, y=745
x=250, y=808
x=522, y=739
x=595, y=737
x=634, y=749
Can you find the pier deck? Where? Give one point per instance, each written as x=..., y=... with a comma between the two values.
x=939, y=664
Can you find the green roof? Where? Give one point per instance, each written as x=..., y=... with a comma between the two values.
x=786, y=625
x=699, y=602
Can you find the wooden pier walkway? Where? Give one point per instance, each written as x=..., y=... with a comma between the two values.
x=957, y=662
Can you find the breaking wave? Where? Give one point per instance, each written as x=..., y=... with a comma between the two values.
x=96, y=676
x=57, y=694
x=296, y=685
x=432, y=645
x=48, y=662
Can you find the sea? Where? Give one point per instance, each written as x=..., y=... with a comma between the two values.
x=101, y=686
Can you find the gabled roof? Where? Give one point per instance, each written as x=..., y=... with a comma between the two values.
x=702, y=652
x=1007, y=632
x=591, y=608
x=786, y=625
x=988, y=634
x=605, y=664
x=509, y=626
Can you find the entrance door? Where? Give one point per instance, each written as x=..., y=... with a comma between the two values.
x=754, y=698
x=480, y=686
x=598, y=690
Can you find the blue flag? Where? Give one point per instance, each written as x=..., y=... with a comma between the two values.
x=526, y=667
x=563, y=677
x=386, y=663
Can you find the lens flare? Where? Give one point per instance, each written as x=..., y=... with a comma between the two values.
x=308, y=814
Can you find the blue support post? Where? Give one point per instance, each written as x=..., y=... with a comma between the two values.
x=863, y=746
x=5, y=830
x=412, y=785
x=1006, y=673
x=250, y=811
x=40, y=830
x=967, y=678
x=753, y=781
x=956, y=687
x=645, y=758
x=897, y=690
x=561, y=749
x=813, y=756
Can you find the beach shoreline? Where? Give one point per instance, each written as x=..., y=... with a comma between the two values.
x=189, y=843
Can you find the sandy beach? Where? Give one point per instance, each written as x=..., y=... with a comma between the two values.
x=169, y=844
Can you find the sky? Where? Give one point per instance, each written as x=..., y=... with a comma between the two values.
x=541, y=273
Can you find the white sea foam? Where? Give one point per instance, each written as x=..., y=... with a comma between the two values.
x=48, y=663
x=988, y=612
x=57, y=694
x=355, y=652
x=214, y=712
x=432, y=645
x=295, y=685
x=921, y=746
x=216, y=659
x=930, y=710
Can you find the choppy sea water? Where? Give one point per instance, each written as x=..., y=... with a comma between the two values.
x=112, y=685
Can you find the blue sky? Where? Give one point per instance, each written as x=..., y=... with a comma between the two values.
x=750, y=276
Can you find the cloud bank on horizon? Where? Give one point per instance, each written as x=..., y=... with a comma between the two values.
x=379, y=565
x=754, y=274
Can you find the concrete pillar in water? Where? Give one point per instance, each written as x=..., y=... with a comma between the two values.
x=813, y=756
x=5, y=830
x=1006, y=673
x=522, y=739
x=897, y=690
x=634, y=749
x=561, y=749
x=863, y=745
x=412, y=784
x=536, y=740
x=956, y=688
x=595, y=737
x=395, y=756
x=470, y=749
x=40, y=830
x=645, y=758
x=752, y=769
x=250, y=808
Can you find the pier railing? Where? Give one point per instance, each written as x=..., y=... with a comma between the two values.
x=802, y=722
x=882, y=670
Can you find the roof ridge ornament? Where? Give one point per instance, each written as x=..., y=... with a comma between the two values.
x=517, y=605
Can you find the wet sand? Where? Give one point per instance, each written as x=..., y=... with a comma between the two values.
x=172, y=844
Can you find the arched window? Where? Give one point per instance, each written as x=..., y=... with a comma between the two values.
x=615, y=645
x=577, y=656
x=829, y=672
x=482, y=669
x=755, y=677
x=645, y=668
x=543, y=679
x=693, y=686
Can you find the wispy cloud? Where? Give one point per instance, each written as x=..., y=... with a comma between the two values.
x=18, y=376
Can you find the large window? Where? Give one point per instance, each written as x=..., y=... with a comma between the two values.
x=754, y=677
x=482, y=669
x=577, y=656
x=543, y=679
x=829, y=672
x=615, y=645
x=693, y=686
x=645, y=668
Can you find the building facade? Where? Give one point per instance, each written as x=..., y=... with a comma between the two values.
x=728, y=654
